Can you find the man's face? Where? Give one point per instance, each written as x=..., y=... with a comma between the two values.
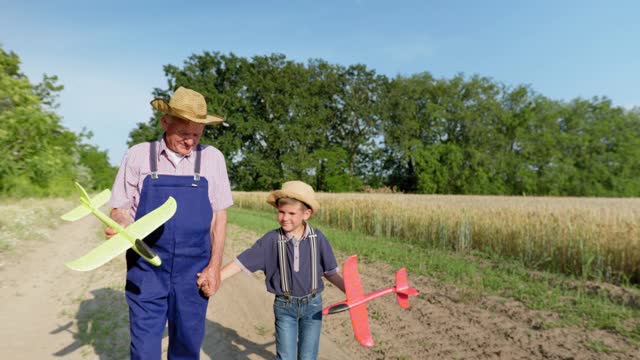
x=181, y=135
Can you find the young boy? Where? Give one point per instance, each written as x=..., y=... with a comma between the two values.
x=293, y=259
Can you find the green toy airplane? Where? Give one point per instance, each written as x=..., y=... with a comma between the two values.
x=131, y=237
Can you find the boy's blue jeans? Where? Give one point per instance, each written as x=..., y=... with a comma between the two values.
x=298, y=325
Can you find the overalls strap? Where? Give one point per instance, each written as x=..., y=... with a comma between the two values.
x=153, y=161
x=196, y=170
x=282, y=262
x=314, y=260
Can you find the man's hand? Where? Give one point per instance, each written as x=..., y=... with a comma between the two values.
x=109, y=232
x=209, y=280
x=122, y=217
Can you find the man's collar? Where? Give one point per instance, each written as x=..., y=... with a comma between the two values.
x=164, y=148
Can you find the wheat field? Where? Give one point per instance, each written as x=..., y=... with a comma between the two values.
x=589, y=237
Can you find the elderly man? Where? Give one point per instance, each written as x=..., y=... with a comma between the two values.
x=189, y=244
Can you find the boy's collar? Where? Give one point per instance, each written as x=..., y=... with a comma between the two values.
x=304, y=234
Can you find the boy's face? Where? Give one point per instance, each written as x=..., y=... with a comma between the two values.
x=292, y=216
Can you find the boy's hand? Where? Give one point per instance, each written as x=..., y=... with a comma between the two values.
x=209, y=280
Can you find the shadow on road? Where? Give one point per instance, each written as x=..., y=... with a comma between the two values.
x=103, y=323
x=224, y=343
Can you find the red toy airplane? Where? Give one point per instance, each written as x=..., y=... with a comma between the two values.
x=356, y=299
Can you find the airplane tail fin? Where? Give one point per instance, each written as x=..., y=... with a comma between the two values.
x=403, y=290
x=87, y=203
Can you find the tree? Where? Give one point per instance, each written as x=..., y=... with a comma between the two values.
x=407, y=127
x=343, y=127
x=44, y=157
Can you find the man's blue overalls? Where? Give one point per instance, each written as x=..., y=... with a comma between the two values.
x=169, y=291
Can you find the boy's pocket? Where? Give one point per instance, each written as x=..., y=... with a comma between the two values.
x=281, y=303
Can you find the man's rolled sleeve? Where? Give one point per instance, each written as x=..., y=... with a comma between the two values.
x=120, y=193
x=219, y=187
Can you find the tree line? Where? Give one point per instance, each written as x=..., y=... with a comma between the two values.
x=346, y=128
x=40, y=157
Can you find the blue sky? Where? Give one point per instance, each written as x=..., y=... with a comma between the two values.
x=109, y=54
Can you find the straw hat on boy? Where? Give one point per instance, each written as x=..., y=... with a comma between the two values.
x=295, y=190
x=188, y=105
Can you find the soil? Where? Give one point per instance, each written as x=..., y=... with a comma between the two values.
x=48, y=311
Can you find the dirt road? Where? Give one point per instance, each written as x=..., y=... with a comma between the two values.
x=48, y=311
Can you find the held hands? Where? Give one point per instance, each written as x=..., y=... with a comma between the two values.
x=209, y=280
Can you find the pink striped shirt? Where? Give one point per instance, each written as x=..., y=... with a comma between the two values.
x=135, y=167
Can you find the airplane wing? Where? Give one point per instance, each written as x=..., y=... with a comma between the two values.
x=101, y=198
x=146, y=224
x=131, y=236
x=359, y=314
x=101, y=254
x=82, y=210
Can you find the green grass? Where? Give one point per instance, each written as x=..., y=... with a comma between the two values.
x=28, y=220
x=477, y=274
x=599, y=346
